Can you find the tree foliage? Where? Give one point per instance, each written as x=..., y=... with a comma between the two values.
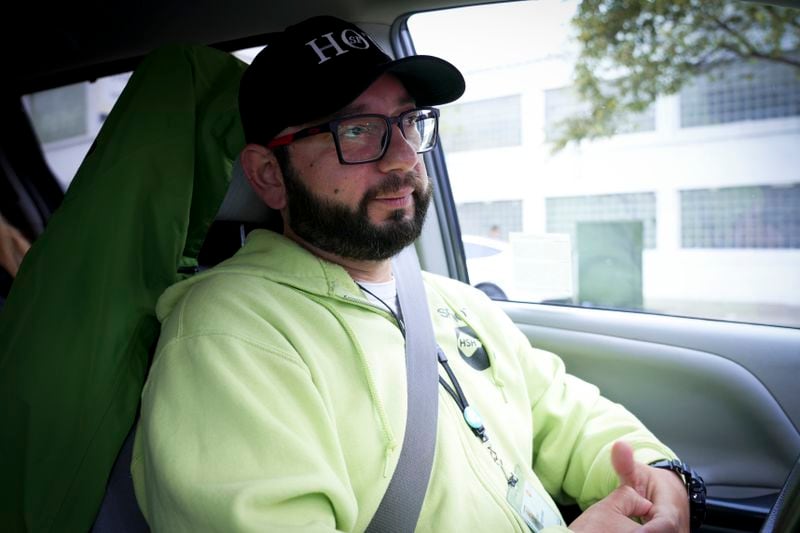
x=632, y=51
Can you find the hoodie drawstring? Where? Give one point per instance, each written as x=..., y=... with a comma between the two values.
x=389, y=438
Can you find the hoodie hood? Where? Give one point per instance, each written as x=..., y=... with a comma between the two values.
x=275, y=257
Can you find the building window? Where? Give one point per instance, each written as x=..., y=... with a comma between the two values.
x=490, y=219
x=481, y=124
x=761, y=216
x=559, y=105
x=565, y=102
x=741, y=91
x=563, y=213
x=61, y=113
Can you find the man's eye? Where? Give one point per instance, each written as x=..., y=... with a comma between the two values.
x=354, y=131
x=411, y=120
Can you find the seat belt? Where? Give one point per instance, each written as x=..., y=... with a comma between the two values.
x=399, y=509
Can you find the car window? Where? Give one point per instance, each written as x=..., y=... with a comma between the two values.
x=67, y=119
x=687, y=203
x=477, y=250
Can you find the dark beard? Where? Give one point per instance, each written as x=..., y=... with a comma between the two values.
x=336, y=229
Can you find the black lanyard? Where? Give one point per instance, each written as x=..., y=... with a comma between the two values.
x=471, y=416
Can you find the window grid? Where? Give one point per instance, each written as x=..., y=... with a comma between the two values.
x=741, y=91
x=559, y=105
x=61, y=113
x=491, y=123
x=479, y=218
x=564, y=212
x=565, y=102
x=761, y=216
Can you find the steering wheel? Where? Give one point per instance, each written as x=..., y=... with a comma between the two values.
x=785, y=513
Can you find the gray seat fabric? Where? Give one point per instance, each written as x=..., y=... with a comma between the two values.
x=119, y=512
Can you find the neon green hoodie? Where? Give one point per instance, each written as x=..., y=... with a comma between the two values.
x=276, y=402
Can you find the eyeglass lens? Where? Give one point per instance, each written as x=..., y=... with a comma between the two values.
x=364, y=138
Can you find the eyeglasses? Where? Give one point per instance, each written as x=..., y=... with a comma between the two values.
x=364, y=138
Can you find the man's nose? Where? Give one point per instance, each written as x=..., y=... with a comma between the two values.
x=400, y=154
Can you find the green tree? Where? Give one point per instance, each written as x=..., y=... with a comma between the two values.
x=632, y=51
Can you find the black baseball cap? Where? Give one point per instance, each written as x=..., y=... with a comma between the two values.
x=318, y=66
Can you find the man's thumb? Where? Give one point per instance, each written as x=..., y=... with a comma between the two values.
x=630, y=503
x=624, y=465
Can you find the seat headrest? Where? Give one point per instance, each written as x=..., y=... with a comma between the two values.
x=241, y=204
x=241, y=211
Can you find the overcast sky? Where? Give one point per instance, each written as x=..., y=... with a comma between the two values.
x=527, y=31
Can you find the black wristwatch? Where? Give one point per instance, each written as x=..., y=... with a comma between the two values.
x=695, y=488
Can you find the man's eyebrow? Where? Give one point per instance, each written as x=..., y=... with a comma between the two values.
x=407, y=101
x=357, y=109
x=353, y=109
x=345, y=111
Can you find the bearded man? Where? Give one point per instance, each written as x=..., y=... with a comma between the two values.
x=277, y=397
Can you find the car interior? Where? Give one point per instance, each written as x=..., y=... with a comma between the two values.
x=160, y=196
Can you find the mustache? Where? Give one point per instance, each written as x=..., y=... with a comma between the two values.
x=394, y=182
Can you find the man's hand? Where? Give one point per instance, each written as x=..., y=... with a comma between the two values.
x=13, y=247
x=613, y=513
x=670, y=504
x=656, y=496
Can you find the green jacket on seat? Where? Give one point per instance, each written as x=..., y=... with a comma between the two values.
x=79, y=325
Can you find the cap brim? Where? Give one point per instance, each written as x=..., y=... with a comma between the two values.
x=429, y=80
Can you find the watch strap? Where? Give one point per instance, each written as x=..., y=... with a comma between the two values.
x=695, y=489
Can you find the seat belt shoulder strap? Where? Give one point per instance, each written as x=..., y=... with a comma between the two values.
x=401, y=504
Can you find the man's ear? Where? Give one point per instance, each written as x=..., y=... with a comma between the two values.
x=264, y=174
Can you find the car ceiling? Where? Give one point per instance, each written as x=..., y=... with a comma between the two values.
x=49, y=45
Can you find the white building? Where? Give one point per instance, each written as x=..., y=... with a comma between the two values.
x=712, y=173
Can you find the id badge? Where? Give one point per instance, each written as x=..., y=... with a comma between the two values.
x=535, y=510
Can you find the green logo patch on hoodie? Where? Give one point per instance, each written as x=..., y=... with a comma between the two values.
x=471, y=349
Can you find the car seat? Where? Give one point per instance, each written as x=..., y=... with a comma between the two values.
x=79, y=324
x=241, y=211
